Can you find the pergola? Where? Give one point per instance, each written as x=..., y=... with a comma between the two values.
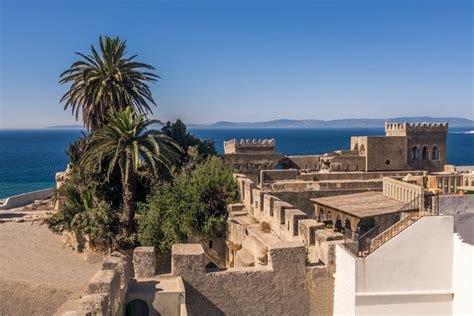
x=352, y=209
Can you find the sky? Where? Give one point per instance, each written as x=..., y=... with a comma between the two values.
x=249, y=60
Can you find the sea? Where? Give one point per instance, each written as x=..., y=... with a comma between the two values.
x=29, y=159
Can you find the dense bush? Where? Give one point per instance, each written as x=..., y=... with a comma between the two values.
x=82, y=213
x=194, y=202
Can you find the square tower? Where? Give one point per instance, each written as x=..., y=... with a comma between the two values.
x=426, y=143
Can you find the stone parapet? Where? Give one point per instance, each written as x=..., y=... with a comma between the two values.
x=249, y=146
x=144, y=262
x=232, y=291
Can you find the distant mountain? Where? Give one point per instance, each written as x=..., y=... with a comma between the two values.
x=456, y=122
x=66, y=127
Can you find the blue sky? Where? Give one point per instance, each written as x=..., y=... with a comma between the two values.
x=249, y=60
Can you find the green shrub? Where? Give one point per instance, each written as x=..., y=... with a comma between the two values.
x=195, y=202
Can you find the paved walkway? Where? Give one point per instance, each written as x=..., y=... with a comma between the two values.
x=38, y=272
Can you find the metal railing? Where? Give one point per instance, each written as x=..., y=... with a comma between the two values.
x=422, y=205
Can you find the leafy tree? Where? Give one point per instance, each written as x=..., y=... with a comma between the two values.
x=121, y=143
x=76, y=149
x=179, y=133
x=107, y=82
x=195, y=202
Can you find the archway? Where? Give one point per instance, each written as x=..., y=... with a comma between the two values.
x=328, y=219
x=338, y=226
x=321, y=215
x=435, y=153
x=137, y=308
x=424, y=154
x=347, y=228
x=414, y=153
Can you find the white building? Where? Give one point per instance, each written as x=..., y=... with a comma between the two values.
x=426, y=268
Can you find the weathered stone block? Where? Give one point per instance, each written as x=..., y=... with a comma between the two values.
x=307, y=230
x=108, y=282
x=292, y=217
x=95, y=304
x=287, y=257
x=144, y=262
x=187, y=260
x=119, y=265
x=236, y=207
x=127, y=258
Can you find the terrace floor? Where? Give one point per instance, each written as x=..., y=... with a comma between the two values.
x=361, y=205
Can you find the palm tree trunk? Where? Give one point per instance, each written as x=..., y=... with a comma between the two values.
x=129, y=202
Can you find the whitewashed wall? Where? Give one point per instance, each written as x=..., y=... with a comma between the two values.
x=411, y=273
x=344, y=283
x=463, y=277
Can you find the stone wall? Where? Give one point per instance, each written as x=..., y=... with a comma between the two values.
x=25, y=199
x=107, y=290
x=245, y=146
x=309, y=162
x=281, y=288
x=268, y=176
x=382, y=153
x=461, y=207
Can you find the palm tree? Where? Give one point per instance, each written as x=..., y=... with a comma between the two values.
x=125, y=142
x=109, y=82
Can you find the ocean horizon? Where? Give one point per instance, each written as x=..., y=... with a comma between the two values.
x=29, y=159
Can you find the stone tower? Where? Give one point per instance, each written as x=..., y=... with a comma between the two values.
x=249, y=157
x=426, y=143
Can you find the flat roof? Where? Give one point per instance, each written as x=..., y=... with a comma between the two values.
x=362, y=205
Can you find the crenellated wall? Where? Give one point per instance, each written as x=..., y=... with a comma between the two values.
x=286, y=286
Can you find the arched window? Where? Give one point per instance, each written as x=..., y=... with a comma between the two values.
x=435, y=153
x=414, y=153
x=425, y=154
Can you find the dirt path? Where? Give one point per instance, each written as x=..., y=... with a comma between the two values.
x=37, y=271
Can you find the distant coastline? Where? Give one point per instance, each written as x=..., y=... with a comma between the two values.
x=454, y=122
x=66, y=127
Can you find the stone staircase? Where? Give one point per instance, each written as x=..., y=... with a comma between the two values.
x=396, y=229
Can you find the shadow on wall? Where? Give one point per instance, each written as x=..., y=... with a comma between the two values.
x=137, y=308
x=205, y=307
x=139, y=305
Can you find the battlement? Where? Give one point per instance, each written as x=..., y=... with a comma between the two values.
x=401, y=129
x=249, y=146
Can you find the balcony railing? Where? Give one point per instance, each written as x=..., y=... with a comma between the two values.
x=405, y=216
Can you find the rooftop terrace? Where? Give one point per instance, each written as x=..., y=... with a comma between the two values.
x=362, y=205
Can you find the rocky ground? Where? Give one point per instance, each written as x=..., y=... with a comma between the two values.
x=38, y=272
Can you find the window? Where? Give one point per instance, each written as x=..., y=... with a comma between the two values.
x=414, y=153
x=435, y=153
x=424, y=154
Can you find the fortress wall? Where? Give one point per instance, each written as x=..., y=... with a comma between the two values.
x=268, y=176
x=285, y=287
x=332, y=176
x=310, y=162
x=25, y=198
x=107, y=290
x=386, y=153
